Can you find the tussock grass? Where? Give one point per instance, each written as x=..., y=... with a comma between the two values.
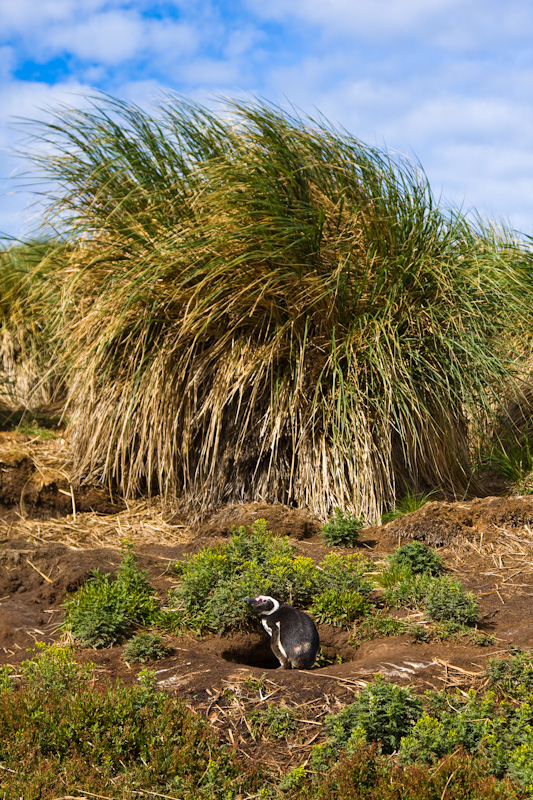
x=27, y=301
x=259, y=305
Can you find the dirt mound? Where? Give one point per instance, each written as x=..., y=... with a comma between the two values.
x=282, y=520
x=35, y=484
x=35, y=579
x=439, y=523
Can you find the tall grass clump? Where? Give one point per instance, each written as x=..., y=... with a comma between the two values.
x=27, y=289
x=260, y=305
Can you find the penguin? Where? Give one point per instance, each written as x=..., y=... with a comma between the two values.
x=293, y=634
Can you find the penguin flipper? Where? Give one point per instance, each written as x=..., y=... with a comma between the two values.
x=278, y=649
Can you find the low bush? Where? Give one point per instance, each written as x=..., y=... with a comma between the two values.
x=145, y=647
x=107, y=609
x=105, y=739
x=383, y=712
x=215, y=581
x=339, y=608
x=367, y=774
x=346, y=573
x=342, y=529
x=417, y=558
x=471, y=727
x=512, y=676
x=413, y=580
x=445, y=599
x=408, y=591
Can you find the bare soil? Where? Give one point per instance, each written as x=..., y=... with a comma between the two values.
x=53, y=533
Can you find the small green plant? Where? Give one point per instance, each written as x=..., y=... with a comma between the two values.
x=342, y=529
x=441, y=597
x=322, y=660
x=411, y=502
x=107, y=609
x=409, y=591
x=53, y=669
x=376, y=624
x=383, y=711
x=7, y=682
x=445, y=599
x=513, y=676
x=274, y=722
x=339, y=608
x=513, y=460
x=346, y=573
x=418, y=558
x=145, y=647
x=292, y=780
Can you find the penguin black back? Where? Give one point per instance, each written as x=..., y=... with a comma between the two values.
x=293, y=634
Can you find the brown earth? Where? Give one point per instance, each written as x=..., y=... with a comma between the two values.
x=53, y=533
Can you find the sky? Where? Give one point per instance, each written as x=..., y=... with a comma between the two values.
x=446, y=82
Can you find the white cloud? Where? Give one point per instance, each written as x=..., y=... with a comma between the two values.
x=366, y=17
x=450, y=24
x=28, y=100
x=22, y=16
x=106, y=38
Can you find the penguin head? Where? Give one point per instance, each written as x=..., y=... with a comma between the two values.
x=263, y=604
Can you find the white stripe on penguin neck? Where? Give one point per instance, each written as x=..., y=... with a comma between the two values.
x=276, y=606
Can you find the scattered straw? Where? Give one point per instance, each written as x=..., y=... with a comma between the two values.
x=142, y=522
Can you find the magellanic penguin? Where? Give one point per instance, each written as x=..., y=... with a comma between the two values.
x=293, y=634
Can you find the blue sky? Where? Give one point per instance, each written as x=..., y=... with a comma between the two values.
x=449, y=82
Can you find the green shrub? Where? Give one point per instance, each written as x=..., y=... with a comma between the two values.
x=442, y=598
x=7, y=681
x=340, y=608
x=107, y=609
x=105, y=739
x=383, y=711
x=453, y=722
x=145, y=647
x=366, y=774
x=513, y=676
x=446, y=599
x=409, y=591
x=346, y=573
x=54, y=670
x=214, y=582
x=418, y=558
x=342, y=529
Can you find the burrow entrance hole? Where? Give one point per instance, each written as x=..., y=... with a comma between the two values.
x=251, y=654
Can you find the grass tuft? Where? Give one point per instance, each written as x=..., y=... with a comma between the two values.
x=258, y=295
